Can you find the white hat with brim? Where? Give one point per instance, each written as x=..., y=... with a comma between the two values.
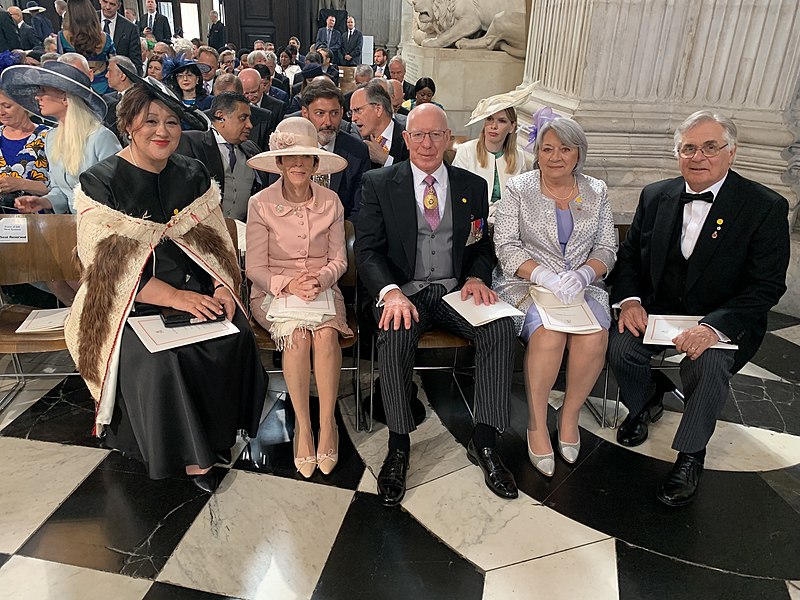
x=296, y=136
x=33, y=8
x=494, y=104
x=21, y=83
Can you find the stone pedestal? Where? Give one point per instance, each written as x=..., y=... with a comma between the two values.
x=462, y=77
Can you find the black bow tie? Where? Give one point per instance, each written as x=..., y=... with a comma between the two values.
x=686, y=197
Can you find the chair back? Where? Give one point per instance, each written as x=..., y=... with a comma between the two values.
x=621, y=231
x=46, y=256
x=349, y=278
x=347, y=79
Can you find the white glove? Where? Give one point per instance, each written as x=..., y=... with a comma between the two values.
x=546, y=278
x=573, y=282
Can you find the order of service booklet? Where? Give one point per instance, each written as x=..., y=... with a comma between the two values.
x=662, y=329
x=480, y=314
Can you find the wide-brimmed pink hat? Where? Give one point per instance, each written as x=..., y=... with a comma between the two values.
x=296, y=136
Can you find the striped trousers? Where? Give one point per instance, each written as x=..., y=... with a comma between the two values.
x=705, y=385
x=494, y=360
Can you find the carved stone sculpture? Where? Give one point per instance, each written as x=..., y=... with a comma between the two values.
x=471, y=25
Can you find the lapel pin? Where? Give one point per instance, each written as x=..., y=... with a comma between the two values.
x=464, y=200
x=720, y=221
x=578, y=199
x=175, y=212
x=719, y=228
x=714, y=235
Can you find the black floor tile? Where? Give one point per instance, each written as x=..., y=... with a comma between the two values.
x=269, y=453
x=778, y=356
x=65, y=415
x=119, y=521
x=777, y=320
x=643, y=575
x=165, y=591
x=3, y=558
x=786, y=483
x=384, y=553
x=614, y=491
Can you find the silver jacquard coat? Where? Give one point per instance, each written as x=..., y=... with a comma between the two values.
x=525, y=228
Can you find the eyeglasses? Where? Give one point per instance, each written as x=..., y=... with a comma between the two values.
x=709, y=149
x=437, y=135
x=354, y=112
x=186, y=74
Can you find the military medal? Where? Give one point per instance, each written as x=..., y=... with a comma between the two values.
x=430, y=201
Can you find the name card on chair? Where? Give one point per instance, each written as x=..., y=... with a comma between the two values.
x=14, y=230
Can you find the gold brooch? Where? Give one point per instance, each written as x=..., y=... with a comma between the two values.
x=464, y=200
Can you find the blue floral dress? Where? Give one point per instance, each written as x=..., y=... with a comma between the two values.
x=28, y=162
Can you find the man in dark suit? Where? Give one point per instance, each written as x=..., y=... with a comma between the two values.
x=352, y=40
x=122, y=32
x=156, y=22
x=397, y=70
x=253, y=87
x=371, y=112
x=380, y=65
x=421, y=234
x=216, y=31
x=9, y=34
x=261, y=118
x=328, y=37
x=709, y=243
x=27, y=36
x=224, y=149
x=268, y=83
x=120, y=83
x=323, y=105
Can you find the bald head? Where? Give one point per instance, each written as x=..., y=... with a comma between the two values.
x=252, y=85
x=15, y=13
x=397, y=93
x=430, y=113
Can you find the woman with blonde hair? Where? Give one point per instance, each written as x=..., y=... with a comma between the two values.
x=82, y=34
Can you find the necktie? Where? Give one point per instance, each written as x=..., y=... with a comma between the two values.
x=431, y=203
x=231, y=155
x=150, y=20
x=384, y=142
x=686, y=197
x=329, y=37
x=107, y=26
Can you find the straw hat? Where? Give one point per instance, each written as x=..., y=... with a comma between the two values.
x=494, y=104
x=296, y=136
x=22, y=82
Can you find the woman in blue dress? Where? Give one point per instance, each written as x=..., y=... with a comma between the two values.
x=82, y=34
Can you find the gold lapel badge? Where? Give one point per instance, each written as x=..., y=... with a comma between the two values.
x=464, y=200
x=719, y=228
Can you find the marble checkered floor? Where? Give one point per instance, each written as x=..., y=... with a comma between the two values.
x=80, y=522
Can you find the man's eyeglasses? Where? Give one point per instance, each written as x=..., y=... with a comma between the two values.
x=709, y=149
x=354, y=112
x=437, y=135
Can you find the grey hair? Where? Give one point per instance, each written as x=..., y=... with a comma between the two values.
x=271, y=57
x=364, y=71
x=215, y=13
x=182, y=45
x=384, y=84
x=254, y=55
x=76, y=60
x=703, y=116
x=570, y=134
x=398, y=59
x=377, y=94
x=124, y=61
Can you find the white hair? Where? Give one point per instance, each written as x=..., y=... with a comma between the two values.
x=702, y=116
x=78, y=61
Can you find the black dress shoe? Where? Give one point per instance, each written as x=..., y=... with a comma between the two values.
x=207, y=482
x=497, y=477
x=392, y=478
x=680, y=486
x=633, y=430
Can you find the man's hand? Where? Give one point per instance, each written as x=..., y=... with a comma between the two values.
x=376, y=152
x=32, y=204
x=397, y=310
x=348, y=58
x=632, y=317
x=478, y=290
x=695, y=341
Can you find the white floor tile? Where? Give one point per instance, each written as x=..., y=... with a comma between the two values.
x=586, y=572
x=487, y=530
x=789, y=333
x=794, y=589
x=260, y=537
x=34, y=389
x=35, y=482
x=368, y=483
x=23, y=577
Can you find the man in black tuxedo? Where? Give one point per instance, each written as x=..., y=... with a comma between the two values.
x=27, y=36
x=352, y=40
x=224, y=149
x=216, y=31
x=260, y=118
x=397, y=70
x=421, y=234
x=709, y=243
x=253, y=87
x=323, y=105
x=371, y=112
x=122, y=32
x=156, y=22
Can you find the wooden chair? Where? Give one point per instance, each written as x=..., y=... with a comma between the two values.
x=46, y=256
x=347, y=79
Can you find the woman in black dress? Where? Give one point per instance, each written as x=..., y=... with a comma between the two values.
x=151, y=235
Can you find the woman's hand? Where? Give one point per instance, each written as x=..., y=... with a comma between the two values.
x=574, y=282
x=546, y=278
x=306, y=286
x=226, y=299
x=32, y=204
x=201, y=306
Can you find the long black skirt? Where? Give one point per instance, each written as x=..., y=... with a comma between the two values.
x=178, y=407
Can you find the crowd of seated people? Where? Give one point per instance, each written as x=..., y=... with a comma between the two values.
x=173, y=136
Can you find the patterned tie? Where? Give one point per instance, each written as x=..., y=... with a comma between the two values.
x=107, y=26
x=384, y=142
x=431, y=203
x=231, y=155
x=150, y=21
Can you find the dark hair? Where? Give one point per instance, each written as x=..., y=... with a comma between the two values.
x=172, y=81
x=226, y=102
x=135, y=102
x=292, y=52
x=243, y=52
x=313, y=57
x=263, y=70
x=321, y=89
x=196, y=42
x=424, y=82
x=83, y=27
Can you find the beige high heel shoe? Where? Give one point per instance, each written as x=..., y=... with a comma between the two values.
x=327, y=461
x=304, y=465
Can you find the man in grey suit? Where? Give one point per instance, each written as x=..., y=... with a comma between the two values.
x=122, y=32
x=421, y=234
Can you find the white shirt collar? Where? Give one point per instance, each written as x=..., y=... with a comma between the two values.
x=714, y=189
x=218, y=136
x=388, y=133
x=329, y=146
x=112, y=19
x=440, y=175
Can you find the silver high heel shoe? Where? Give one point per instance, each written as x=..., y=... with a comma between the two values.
x=544, y=463
x=569, y=452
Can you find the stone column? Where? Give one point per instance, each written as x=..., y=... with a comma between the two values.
x=381, y=20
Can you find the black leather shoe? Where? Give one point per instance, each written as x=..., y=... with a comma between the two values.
x=680, y=486
x=633, y=430
x=207, y=482
x=497, y=477
x=392, y=478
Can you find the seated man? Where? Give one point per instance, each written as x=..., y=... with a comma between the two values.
x=421, y=234
x=709, y=243
x=372, y=114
